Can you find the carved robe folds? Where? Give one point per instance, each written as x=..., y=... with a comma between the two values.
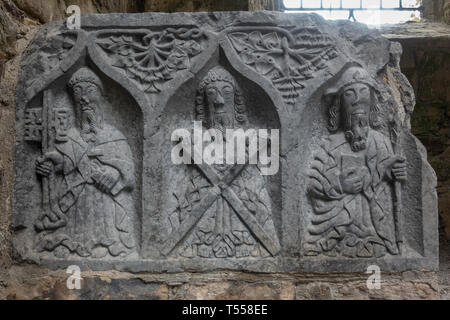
x=95, y=218
x=221, y=233
x=355, y=225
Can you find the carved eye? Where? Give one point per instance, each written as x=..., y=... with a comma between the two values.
x=227, y=90
x=211, y=92
x=348, y=94
x=77, y=90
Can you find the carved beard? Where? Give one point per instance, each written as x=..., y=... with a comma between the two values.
x=357, y=141
x=222, y=121
x=88, y=120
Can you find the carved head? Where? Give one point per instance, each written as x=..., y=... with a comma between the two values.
x=219, y=100
x=353, y=106
x=87, y=90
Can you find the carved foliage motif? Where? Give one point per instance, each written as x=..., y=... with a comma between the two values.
x=288, y=60
x=153, y=58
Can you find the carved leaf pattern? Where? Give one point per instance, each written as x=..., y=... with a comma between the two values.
x=287, y=65
x=154, y=58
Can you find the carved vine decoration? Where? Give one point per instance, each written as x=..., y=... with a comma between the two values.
x=153, y=58
x=287, y=59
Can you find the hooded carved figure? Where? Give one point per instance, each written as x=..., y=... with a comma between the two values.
x=94, y=176
x=351, y=178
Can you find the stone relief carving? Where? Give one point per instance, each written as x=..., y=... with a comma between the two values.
x=354, y=177
x=287, y=59
x=87, y=172
x=153, y=58
x=58, y=51
x=53, y=53
x=227, y=206
x=92, y=179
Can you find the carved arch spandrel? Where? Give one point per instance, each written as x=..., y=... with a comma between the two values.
x=288, y=59
x=261, y=81
x=151, y=58
x=74, y=54
x=152, y=81
x=84, y=46
x=107, y=69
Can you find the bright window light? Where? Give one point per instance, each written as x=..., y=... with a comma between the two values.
x=370, y=17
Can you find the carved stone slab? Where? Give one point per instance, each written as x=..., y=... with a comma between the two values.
x=96, y=184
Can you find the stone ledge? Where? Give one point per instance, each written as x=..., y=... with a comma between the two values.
x=31, y=282
x=415, y=30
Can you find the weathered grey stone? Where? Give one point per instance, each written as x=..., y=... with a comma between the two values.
x=96, y=108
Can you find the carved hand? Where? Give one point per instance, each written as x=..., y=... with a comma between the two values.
x=106, y=180
x=51, y=161
x=397, y=167
x=351, y=181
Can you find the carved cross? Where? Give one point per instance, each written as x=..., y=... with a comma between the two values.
x=221, y=188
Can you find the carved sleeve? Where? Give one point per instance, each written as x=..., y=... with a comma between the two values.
x=324, y=177
x=118, y=155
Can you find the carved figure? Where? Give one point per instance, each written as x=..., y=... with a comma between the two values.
x=227, y=207
x=352, y=176
x=91, y=206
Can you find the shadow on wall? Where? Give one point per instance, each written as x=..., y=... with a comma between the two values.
x=426, y=63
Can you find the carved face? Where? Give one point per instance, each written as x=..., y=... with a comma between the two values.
x=87, y=96
x=220, y=100
x=356, y=96
x=355, y=103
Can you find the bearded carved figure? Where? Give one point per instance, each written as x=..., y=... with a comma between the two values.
x=91, y=203
x=222, y=232
x=352, y=176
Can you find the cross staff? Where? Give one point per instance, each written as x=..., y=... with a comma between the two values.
x=54, y=220
x=221, y=187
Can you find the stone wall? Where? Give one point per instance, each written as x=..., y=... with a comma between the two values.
x=426, y=63
x=19, y=22
x=37, y=283
x=436, y=10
